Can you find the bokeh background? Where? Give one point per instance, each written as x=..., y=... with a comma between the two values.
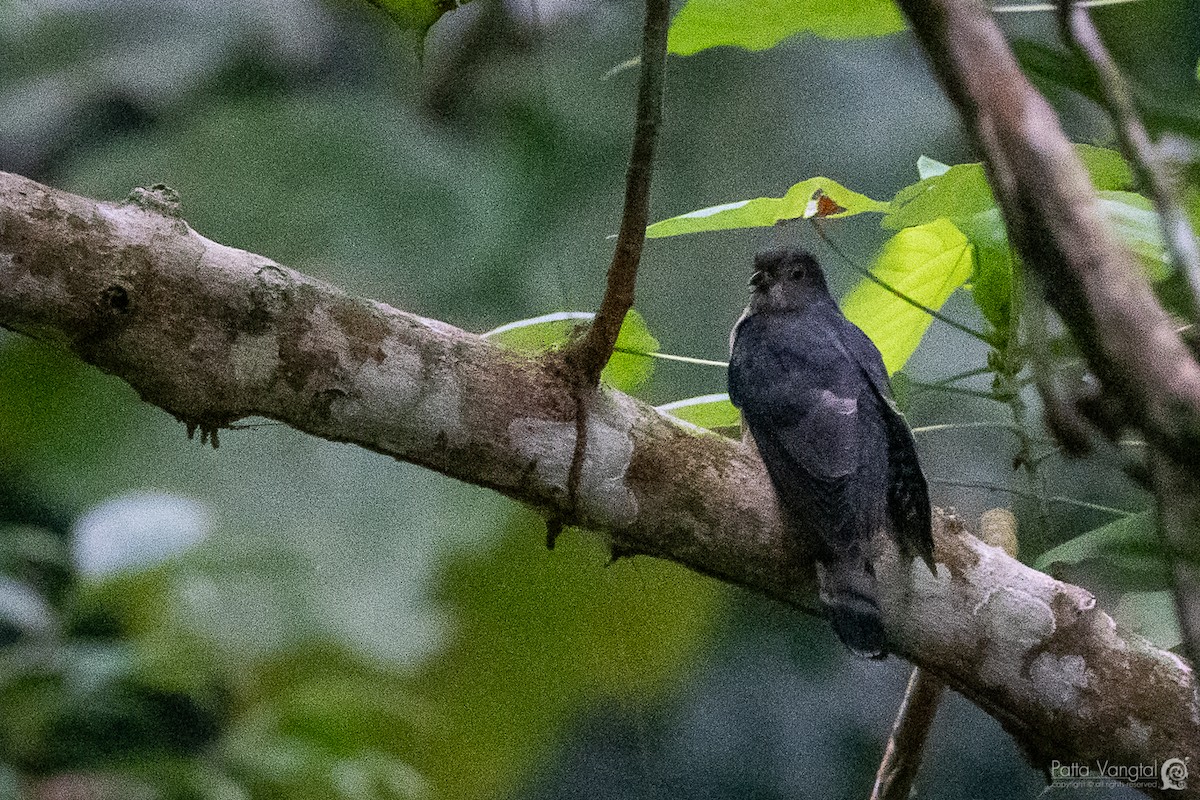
x=287, y=617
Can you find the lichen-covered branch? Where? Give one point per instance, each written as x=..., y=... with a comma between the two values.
x=1149, y=378
x=211, y=334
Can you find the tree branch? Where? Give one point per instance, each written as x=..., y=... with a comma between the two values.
x=1094, y=283
x=593, y=351
x=1079, y=33
x=1175, y=483
x=906, y=745
x=212, y=334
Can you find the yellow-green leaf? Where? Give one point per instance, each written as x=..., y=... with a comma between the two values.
x=710, y=411
x=927, y=263
x=629, y=367
x=761, y=24
x=762, y=212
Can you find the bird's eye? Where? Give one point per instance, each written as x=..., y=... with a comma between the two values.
x=797, y=274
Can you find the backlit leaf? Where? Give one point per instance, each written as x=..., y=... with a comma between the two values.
x=991, y=285
x=710, y=411
x=1108, y=169
x=956, y=193
x=927, y=263
x=628, y=368
x=761, y=212
x=762, y=24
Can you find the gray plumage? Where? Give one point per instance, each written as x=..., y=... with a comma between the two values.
x=815, y=397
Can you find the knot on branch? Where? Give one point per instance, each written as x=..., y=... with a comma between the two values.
x=159, y=198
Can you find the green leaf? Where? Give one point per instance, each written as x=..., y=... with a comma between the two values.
x=959, y=192
x=762, y=24
x=1128, y=546
x=1151, y=614
x=1108, y=169
x=763, y=212
x=927, y=263
x=1136, y=223
x=962, y=195
x=414, y=15
x=629, y=366
x=991, y=285
x=710, y=411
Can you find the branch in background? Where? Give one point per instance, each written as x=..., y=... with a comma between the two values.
x=906, y=744
x=588, y=357
x=1079, y=33
x=1175, y=484
x=593, y=351
x=1092, y=281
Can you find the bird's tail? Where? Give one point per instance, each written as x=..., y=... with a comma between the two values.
x=848, y=591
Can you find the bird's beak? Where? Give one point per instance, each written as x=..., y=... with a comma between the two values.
x=758, y=280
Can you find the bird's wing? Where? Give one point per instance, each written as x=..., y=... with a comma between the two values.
x=805, y=420
x=826, y=504
x=908, y=492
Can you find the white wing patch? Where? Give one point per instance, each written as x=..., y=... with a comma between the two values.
x=839, y=405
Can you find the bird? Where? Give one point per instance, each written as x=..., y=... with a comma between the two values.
x=816, y=401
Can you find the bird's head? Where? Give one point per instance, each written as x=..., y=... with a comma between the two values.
x=786, y=280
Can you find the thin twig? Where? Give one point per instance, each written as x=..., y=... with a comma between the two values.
x=906, y=745
x=1058, y=498
x=704, y=362
x=588, y=357
x=958, y=426
x=896, y=292
x=961, y=376
x=1079, y=33
x=983, y=394
x=596, y=347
